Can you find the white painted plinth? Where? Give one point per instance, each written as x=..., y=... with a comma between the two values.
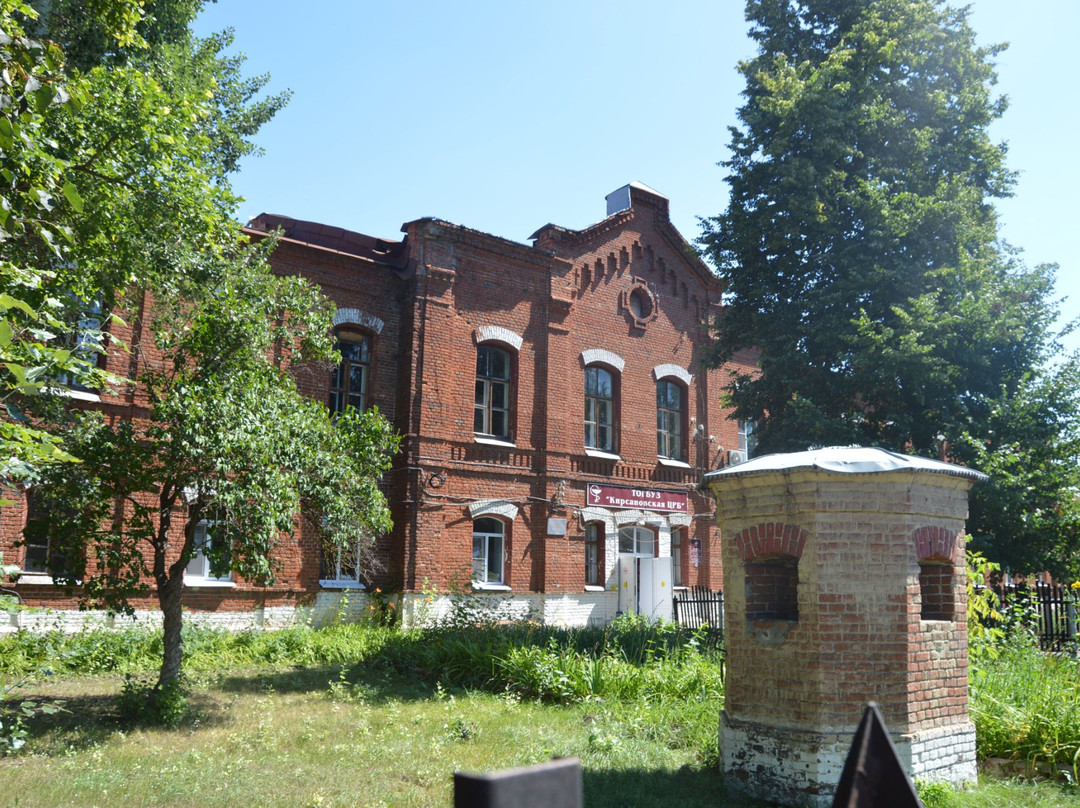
x=802, y=767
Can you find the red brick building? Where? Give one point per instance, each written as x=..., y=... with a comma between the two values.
x=554, y=401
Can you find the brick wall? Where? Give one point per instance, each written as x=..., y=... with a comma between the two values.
x=848, y=547
x=628, y=289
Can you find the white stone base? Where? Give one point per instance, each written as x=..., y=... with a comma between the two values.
x=803, y=768
x=345, y=605
x=565, y=611
x=945, y=754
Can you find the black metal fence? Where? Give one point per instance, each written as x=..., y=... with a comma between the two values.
x=699, y=606
x=1049, y=611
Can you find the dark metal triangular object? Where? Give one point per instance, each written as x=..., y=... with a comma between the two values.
x=873, y=775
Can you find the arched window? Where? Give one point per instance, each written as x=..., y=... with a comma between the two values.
x=489, y=546
x=670, y=400
x=491, y=409
x=350, y=380
x=599, y=409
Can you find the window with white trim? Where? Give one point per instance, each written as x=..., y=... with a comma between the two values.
x=350, y=380
x=45, y=549
x=340, y=567
x=639, y=541
x=40, y=554
x=594, y=532
x=599, y=409
x=489, y=545
x=87, y=344
x=491, y=409
x=747, y=441
x=206, y=565
x=669, y=420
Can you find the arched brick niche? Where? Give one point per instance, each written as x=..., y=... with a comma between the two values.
x=935, y=549
x=770, y=552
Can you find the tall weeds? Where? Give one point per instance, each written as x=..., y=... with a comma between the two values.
x=1026, y=706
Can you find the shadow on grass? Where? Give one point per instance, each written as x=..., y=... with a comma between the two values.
x=376, y=681
x=687, y=787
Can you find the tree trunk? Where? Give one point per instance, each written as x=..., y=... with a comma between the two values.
x=169, y=599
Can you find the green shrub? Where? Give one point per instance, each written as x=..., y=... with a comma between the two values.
x=1026, y=705
x=143, y=703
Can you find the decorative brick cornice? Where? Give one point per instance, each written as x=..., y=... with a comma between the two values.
x=771, y=539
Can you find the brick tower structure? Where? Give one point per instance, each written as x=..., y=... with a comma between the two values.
x=844, y=583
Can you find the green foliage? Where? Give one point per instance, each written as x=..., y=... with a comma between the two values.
x=14, y=713
x=936, y=794
x=145, y=703
x=1026, y=706
x=128, y=159
x=1027, y=516
x=861, y=258
x=983, y=618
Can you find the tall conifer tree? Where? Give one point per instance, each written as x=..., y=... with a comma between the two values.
x=861, y=252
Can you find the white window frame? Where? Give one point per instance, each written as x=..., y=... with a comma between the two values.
x=484, y=408
x=747, y=441
x=642, y=539
x=337, y=580
x=198, y=572
x=669, y=423
x=594, y=405
x=482, y=543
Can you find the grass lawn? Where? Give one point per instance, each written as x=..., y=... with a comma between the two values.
x=306, y=738
x=312, y=737
x=369, y=715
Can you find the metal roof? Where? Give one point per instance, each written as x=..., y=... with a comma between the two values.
x=844, y=460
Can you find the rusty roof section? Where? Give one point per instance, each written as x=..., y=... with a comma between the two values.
x=337, y=239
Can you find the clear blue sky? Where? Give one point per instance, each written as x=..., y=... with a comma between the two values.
x=504, y=116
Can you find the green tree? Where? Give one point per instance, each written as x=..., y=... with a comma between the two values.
x=860, y=248
x=116, y=169
x=37, y=198
x=229, y=442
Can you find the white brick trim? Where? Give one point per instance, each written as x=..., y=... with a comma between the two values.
x=594, y=355
x=358, y=317
x=595, y=514
x=496, y=333
x=680, y=373
x=631, y=517
x=494, y=507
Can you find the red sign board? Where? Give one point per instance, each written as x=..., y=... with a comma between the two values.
x=610, y=496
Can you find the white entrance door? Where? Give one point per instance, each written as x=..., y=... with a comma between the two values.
x=644, y=581
x=654, y=590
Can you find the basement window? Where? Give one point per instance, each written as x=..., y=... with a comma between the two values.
x=937, y=590
x=772, y=588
